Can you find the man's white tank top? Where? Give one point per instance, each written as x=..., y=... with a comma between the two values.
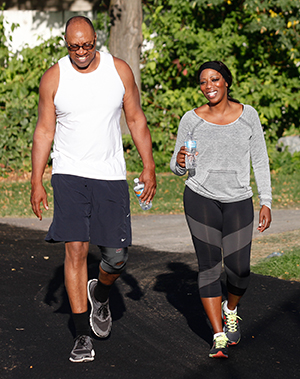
x=88, y=140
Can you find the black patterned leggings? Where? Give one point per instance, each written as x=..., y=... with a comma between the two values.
x=214, y=227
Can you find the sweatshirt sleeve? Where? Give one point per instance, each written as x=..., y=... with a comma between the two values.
x=260, y=161
x=182, y=132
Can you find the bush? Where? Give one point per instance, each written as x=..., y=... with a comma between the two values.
x=20, y=75
x=256, y=39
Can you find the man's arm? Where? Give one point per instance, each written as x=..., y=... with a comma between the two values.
x=43, y=138
x=139, y=130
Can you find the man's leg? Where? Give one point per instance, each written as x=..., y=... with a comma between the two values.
x=76, y=275
x=112, y=264
x=110, y=229
x=106, y=278
x=104, y=284
x=76, y=285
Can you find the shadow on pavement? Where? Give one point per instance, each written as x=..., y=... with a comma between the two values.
x=160, y=329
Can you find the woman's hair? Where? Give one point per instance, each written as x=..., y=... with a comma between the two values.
x=223, y=70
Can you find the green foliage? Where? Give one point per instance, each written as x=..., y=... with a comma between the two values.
x=102, y=25
x=258, y=40
x=284, y=161
x=20, y=75
x=3, y=41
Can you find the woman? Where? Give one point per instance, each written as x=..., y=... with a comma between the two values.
x=218, y=197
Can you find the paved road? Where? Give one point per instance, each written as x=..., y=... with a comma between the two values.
x=159, y=329
x=170, y=232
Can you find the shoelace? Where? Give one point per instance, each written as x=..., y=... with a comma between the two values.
x=103, y=311
x=221, y=341
x=81, y=342
x=231, y=321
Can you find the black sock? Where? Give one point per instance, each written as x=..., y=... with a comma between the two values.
x=101, y=292
x=81, y=322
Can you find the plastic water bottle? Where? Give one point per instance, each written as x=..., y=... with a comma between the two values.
x=138, y=189
x=191, y=146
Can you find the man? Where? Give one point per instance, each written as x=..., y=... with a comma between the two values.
x=80, y=104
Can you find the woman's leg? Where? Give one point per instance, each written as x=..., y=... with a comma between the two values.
x=237, y=237
x=212, y=307
x=236, y=241
x=204, y=218
x=233, y=301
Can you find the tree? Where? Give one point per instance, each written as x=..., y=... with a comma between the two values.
x=125, y=40
x=126, y=37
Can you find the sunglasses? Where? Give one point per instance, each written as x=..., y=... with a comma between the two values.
x=85, y=46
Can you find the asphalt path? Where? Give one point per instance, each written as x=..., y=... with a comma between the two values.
x=170, y=232
x=159, y=327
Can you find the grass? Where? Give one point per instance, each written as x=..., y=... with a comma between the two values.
x=15, y=199
x=15, y=202
x=285, y=267
x=15, y=195
x=168, y=198
x=285, y=191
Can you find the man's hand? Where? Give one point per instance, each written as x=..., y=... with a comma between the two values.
x=38, y=196
x=149, y=179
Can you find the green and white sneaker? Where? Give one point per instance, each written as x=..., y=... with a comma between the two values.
x=219, y=347
x=231, y=326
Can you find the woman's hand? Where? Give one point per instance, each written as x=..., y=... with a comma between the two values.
x=181, y=156
x=264, y=218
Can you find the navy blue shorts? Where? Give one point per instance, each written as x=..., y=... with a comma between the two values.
x=90, y=210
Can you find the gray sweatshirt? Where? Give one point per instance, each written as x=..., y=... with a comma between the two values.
x=225, y=152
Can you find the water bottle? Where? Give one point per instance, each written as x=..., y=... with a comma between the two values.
x=138, y=189
x=191, y=146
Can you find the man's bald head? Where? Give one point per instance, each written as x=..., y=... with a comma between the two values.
x=79, y=20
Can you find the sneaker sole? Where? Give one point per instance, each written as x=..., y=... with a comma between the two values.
x=218, y=355
x=86, y=359
x=103, y=335
x=233, y=343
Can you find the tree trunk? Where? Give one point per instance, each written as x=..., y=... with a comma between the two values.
x=126, y=37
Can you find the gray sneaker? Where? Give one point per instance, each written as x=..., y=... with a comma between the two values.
x=83, y=350
x=100, y=317
x=231, y=326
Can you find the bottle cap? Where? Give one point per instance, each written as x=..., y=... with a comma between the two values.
x=136, y=180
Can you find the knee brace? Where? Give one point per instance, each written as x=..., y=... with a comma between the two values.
x=113, y=260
